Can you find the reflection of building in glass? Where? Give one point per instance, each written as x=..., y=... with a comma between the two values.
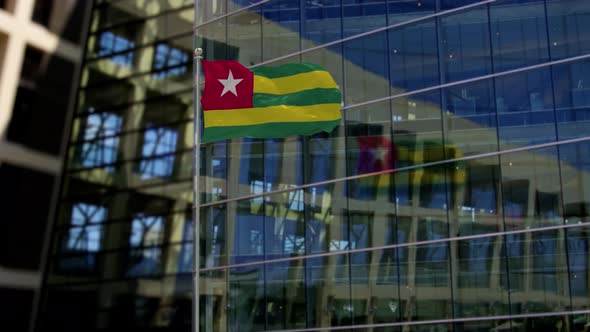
x=466, y=235
x=40, y=58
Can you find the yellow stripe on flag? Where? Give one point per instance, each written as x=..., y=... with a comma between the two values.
x=282, y=113
x=294, y=83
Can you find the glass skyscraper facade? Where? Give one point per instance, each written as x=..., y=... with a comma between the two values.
x=454, y=195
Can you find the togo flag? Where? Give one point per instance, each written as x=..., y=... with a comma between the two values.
x=268, y=102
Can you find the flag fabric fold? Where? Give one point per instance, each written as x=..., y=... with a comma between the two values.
x=268, y=102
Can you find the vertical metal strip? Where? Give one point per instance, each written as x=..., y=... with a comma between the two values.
x=196, y=173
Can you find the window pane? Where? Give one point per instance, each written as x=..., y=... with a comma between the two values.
x=475, y=198
x=572, y=98
x=321, y=22
x=286, y=305
x=478, y=274
x=519, y=34
x=246, y=307
x=169, y=61
x=280, y=28
x=328, y=291
x=413, y=57
x=100, y=143
x=109, y=43
x=569, y=27
x=158, y=146
x=244, y=33
x=525, y=109
x=404, y=10
x=366, y=69
x=465, y=45
x=84, y=238
x=427, y=295
x=362, y=16
x=370, y=149
x=531, y=189
x=146, y=236
x=537, y=270
x=578, y=253
x=470, y=118
x=575, y=175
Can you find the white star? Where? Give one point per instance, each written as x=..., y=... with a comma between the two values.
x=229, y=84
x=380, y=153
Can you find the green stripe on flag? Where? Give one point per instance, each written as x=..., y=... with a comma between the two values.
x=300, y=98
x=286, y=70
x=268, y=130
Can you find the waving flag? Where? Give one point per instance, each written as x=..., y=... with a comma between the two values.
x=268, y=102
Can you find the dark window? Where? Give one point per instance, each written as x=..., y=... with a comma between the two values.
x=16, y=306
x=73, y=28
x=41, y=103
x=42, y=12
x=24, y=202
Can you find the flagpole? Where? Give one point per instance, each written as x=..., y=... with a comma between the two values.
x=196, y=196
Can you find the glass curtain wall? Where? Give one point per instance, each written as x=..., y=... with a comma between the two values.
x=480, y=110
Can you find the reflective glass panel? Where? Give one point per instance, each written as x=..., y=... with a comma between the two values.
x=525, y=109
x=518, y=33
x=465, y=45
x=531, y=189
x=568, y=27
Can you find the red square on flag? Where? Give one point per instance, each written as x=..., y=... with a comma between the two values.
x=228, y=85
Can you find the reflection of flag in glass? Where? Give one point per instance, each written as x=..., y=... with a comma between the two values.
x=376, y=153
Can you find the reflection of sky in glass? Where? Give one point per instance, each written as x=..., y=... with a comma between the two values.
x=185, y=256
x=169, y=57
x=111, y=43
x=97, y=151
x=296, y=202
x=158, y=141
x=257, y=187
x=293, y=244
x=85, y=234
x=147, y=233
x=146, y=230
